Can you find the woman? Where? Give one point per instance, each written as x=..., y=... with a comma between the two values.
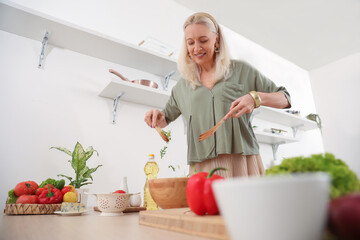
x=211, y=86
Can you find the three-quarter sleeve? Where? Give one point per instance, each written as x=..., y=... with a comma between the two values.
x=171, y=110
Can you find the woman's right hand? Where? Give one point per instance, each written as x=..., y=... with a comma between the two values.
x=155, y=118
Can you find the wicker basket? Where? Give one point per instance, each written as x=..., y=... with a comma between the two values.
x=27, y=209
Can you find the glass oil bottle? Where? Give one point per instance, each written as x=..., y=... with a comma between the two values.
x=151, y=170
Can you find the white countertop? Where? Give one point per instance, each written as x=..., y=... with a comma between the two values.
x=85, y=227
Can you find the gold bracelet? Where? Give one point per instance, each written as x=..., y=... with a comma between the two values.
x=256, y=98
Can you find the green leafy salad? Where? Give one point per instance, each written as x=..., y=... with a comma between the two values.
x=343, y=179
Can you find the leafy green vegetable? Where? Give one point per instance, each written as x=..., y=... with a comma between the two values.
x=78, y=163
x=59, y=184
x=343, y=179
x=12, y=197
x=163, y=150
x=167, y=134
x=48, y=181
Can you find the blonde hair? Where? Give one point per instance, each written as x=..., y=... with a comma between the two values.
x=188, y=69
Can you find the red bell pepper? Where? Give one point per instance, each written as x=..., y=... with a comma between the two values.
x=51, y=186
x=199, y=194
x=50, y=196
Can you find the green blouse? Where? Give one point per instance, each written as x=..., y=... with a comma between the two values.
x=202, y=108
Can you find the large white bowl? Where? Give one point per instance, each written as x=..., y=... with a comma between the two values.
x=274, y=207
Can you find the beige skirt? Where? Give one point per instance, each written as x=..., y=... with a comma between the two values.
x=238, y=165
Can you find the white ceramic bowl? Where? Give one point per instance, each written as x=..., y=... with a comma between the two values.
x=112, y=204
x=274, y=207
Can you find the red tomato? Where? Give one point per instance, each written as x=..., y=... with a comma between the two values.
x=120, y=191
x=25, y=188
x=27, y=199
x=65, y=190
x=39, y=191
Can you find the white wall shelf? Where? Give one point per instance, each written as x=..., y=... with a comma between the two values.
x=136, y=93
x=280, y=117
x=31, y=24
x=272, y=138
x=284, y=118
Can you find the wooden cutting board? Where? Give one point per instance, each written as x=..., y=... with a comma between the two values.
x=184, y=221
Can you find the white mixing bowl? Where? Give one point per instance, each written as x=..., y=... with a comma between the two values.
x=274, y=207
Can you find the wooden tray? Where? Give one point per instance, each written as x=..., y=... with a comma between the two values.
x=184, y=221
x=27, y=209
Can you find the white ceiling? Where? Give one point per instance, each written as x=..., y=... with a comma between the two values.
x=309, y=33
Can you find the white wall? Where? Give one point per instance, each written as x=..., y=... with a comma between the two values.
x=336, y=90
x=59, y=105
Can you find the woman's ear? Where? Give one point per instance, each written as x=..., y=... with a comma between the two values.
x=217, y=42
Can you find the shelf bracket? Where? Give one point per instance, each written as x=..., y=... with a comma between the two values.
x=296, y=128
x=116, y=101
x=275, y=147
x=165, y=82
x=42, y=54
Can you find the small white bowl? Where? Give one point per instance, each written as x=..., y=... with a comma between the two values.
x=135, y=200
x=112, y=204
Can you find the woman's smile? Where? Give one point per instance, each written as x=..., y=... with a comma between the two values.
x=199, y=55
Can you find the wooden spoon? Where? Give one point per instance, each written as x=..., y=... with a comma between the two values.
x=163, y=136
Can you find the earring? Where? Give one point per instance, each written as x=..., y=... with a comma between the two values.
x=217, y=47
x=189, y=56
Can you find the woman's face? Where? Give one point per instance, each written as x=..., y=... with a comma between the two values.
x=200, y=42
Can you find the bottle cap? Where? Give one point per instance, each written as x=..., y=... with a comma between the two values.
x=151, y=155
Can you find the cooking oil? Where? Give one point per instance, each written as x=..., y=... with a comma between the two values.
x=151, y=170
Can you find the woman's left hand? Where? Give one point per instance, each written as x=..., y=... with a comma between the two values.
x=244, y=104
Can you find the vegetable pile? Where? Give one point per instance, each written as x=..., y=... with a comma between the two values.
x=343, y=179
x=50, y=191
